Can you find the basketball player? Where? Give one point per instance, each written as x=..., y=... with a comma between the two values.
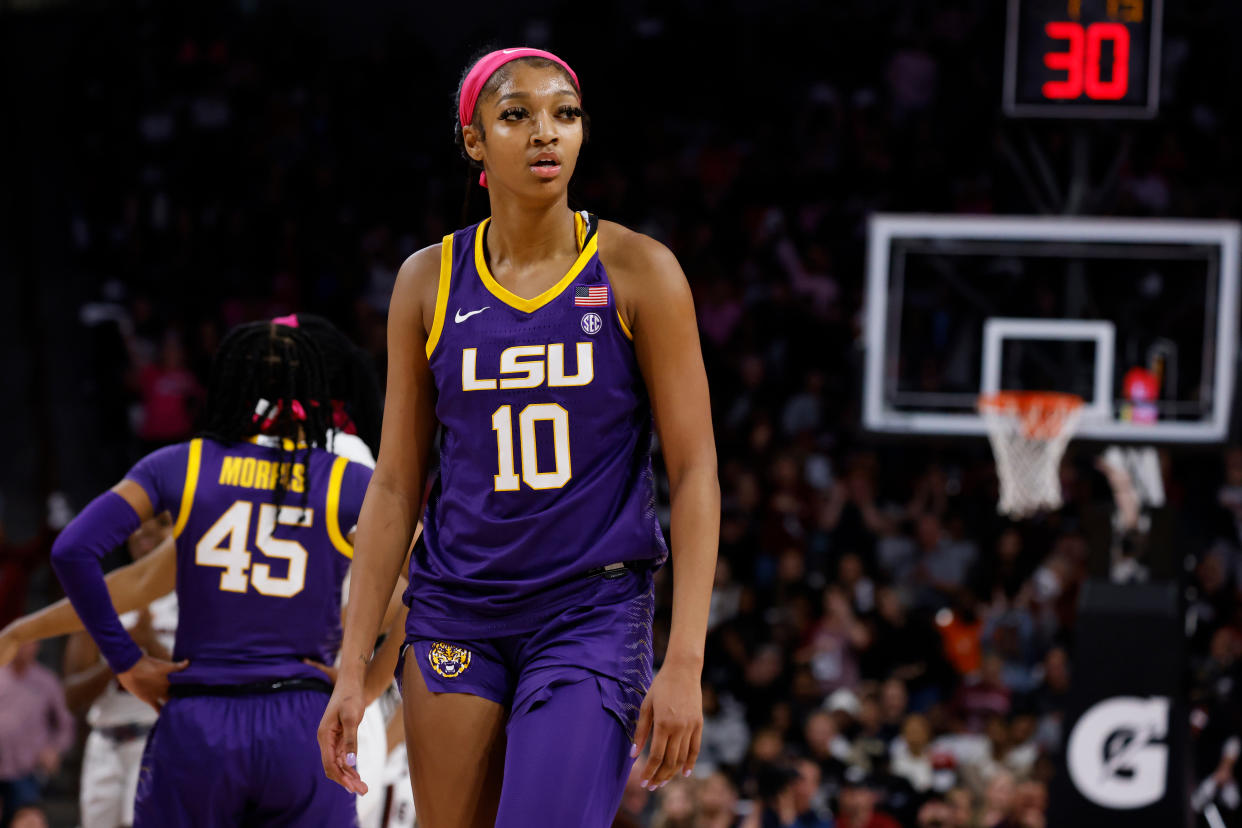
x=541, y=340
x=261, y=517
x=354, y=433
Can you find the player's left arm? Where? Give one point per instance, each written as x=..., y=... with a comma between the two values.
x=106, y=522
x=654, y=299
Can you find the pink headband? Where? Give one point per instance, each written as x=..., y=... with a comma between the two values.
x=482, y=72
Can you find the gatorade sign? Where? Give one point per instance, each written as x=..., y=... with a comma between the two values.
x=1126, y=723
x=1117, y=756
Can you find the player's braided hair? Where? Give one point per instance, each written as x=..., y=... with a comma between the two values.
x=275, y=372
x=351, y=377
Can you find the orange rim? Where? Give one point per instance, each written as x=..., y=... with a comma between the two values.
x=1042, y=414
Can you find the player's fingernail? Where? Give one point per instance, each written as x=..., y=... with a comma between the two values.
x=634, y=751
x=688, y=771
x=665, y=782
x=351, y=760
x=643, y=784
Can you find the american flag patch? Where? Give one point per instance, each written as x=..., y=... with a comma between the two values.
x=591, y=296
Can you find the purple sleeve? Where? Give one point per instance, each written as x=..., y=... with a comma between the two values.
x=353, y=490
x=103, y=525
x=161, y=474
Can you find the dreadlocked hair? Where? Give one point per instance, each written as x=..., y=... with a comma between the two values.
x=269, y=372
x=351, y=377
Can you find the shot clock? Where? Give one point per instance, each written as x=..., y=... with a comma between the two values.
x=1083, y=58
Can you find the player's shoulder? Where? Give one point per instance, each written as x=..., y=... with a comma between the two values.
x=638, y=265
x=417, y=281
x=621, y=248
x=419, y=274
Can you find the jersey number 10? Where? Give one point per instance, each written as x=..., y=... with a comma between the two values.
x=507, y=479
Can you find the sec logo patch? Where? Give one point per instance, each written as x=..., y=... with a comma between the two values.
x=448, y=661
x=591, y=323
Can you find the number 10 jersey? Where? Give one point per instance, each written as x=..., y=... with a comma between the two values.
x=545, y=453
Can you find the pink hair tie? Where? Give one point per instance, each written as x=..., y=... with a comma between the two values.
x=481, y=73
x=291, y=320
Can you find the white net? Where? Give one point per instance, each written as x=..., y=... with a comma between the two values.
x=1029, y=433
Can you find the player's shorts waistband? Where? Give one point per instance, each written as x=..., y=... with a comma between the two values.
x=619, y=569
x=254, y=688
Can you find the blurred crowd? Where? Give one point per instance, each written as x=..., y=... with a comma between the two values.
x=884, y=650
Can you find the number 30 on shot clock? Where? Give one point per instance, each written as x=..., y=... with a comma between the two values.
x=1083, y=58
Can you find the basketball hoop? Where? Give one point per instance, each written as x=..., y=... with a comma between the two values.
x=1029, y=431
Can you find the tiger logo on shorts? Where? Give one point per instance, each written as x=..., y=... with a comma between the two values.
x=448, y=661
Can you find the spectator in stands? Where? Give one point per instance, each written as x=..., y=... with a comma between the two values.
x=835, y=643
x=943, y=562
x=777, y=786
x=170, y=393
x=983, y=695
x=726, y=734
x=961, y=808
x=825, y=745
x=894, y=703
x=911, y=753
x=998, y=800
x=717, y=802
x=857, y=803
x=35, y=730
x=677, y=807
x=1049, y=699
x=809, y=803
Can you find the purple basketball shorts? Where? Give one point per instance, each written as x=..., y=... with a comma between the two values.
x=240, y=760
x=573, y=688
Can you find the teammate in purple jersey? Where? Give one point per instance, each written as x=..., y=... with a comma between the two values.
x=262, y=515
x=540, y=341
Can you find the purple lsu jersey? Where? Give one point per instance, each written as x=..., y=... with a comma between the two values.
x=259, y=585
x=545, y=454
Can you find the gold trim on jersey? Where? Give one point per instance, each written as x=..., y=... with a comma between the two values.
x=442, y=292
x=333, y=518
x=531, y=305
x=625, y=329
x=193, y=461
x=581, y=228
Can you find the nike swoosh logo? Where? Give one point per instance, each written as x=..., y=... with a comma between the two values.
x=510, y=51
x=462, y=317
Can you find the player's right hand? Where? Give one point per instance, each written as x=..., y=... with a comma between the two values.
x=148, y=679
x=338, y=734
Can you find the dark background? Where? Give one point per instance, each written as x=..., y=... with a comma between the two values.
x=169, y=170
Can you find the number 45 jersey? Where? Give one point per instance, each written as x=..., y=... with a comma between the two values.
x=259, y=584
x=545, y=454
